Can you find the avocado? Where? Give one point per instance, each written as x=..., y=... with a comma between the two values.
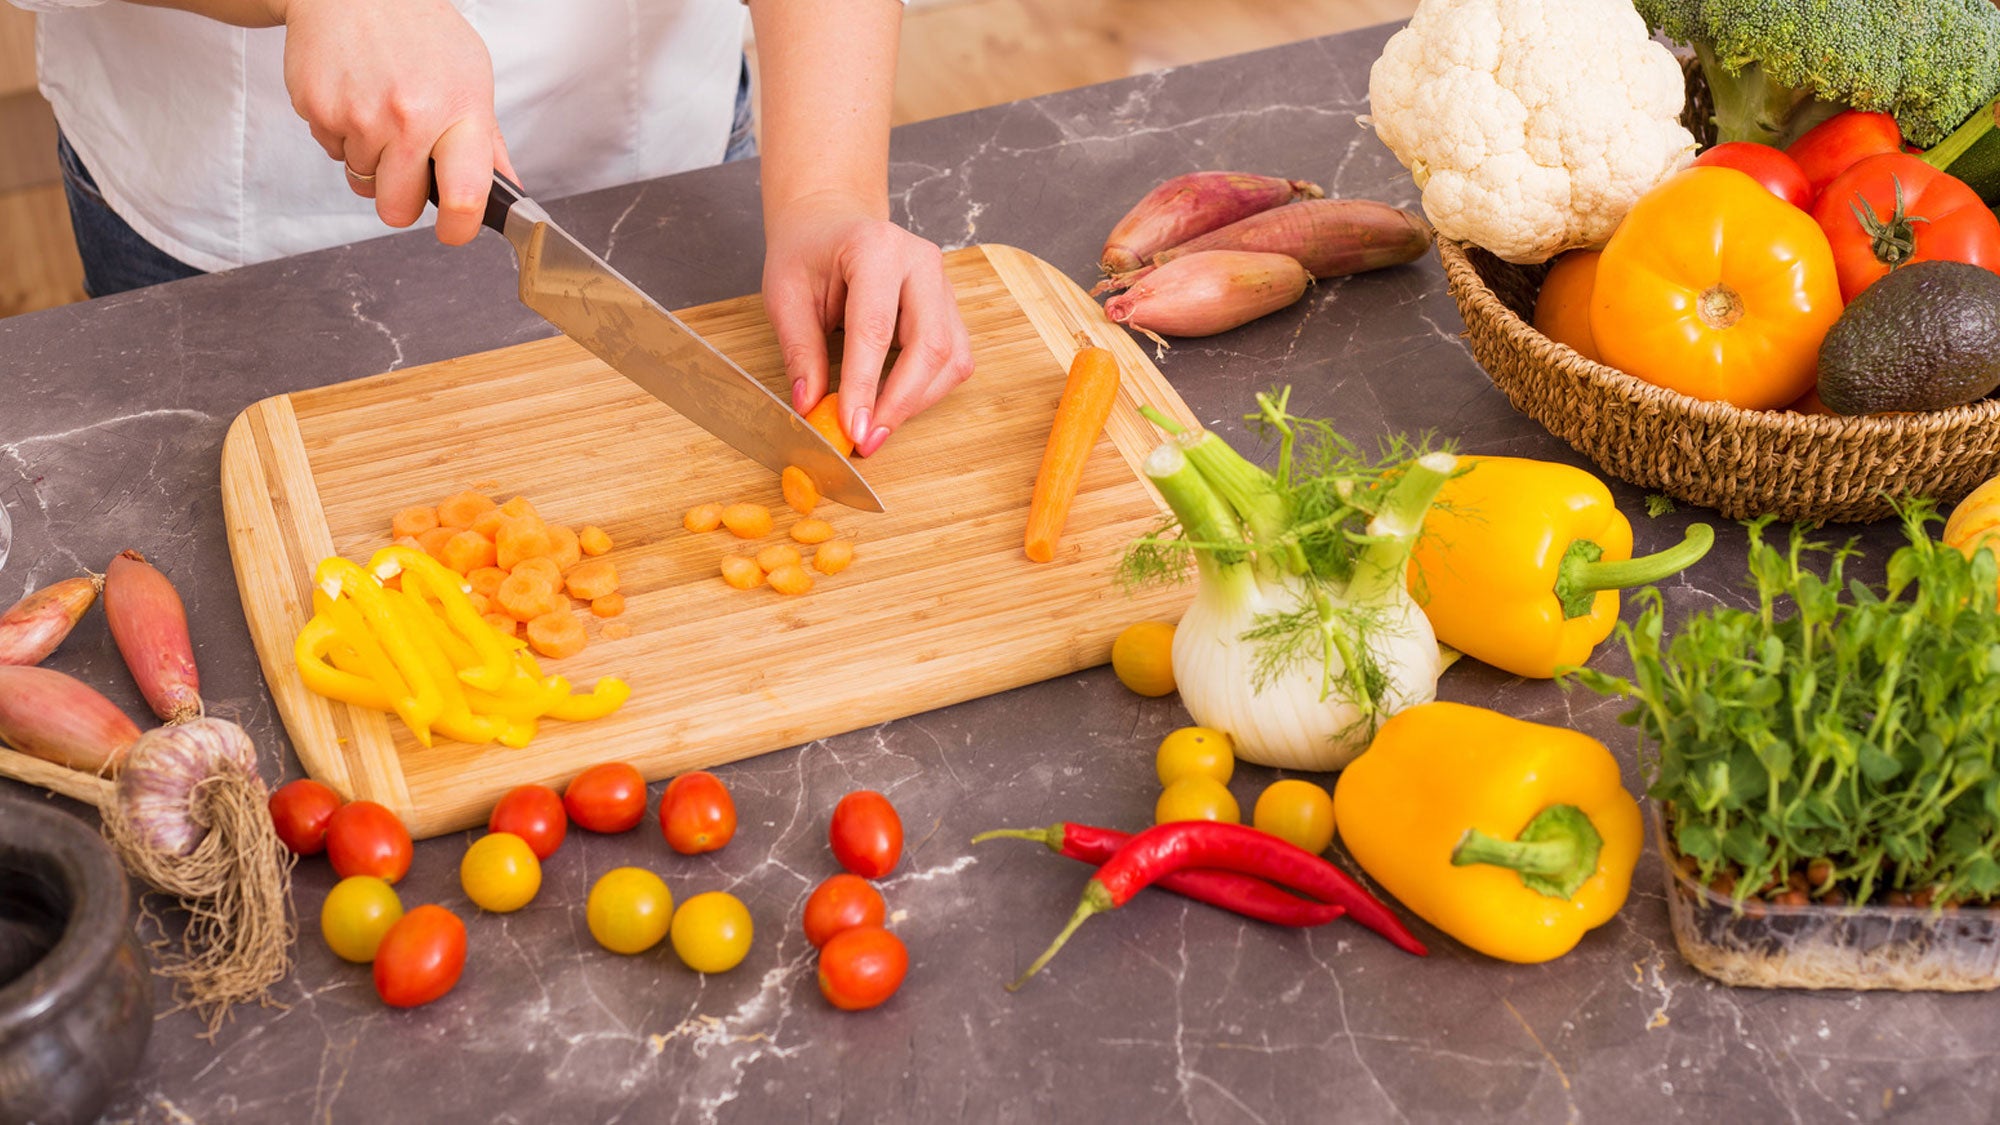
x=1924, y=337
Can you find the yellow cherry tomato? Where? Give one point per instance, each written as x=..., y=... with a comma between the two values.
x=357, y=912
x=500, y=872
x=1197, y=797
x=711, y=932
x=1196, y=750
x=629, y=910
x=1143, y=657
x=1297, y=812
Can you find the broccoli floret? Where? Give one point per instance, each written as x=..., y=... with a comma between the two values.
x=1772, y=65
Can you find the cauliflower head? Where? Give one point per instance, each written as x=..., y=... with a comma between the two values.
x=1531, y=125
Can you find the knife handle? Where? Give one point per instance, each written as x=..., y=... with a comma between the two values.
x=499, y=201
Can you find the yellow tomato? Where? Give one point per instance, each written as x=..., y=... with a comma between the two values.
x=629, y=910
x=357, y=912
x=711, y=932
x=500, y=872
x=1143, y=657
x=1195, y=750
x=1297, y=812
x=1197, y=797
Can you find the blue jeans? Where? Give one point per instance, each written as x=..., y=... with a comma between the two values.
x=116, y=258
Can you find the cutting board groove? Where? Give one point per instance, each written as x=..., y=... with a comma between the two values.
x=939, y=607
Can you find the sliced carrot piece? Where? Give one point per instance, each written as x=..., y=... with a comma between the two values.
x=486, y=580
x=825, y=417
x=433, y=541
x=543, y=566
x=409, y=541
x=777, y=555
x=528, y=596
x=747, y=521
x=610, y=605
x=564, y=548
x=556, y=634
x=833, y=556
x=742, y=573
x=412, y=522
x=490, y=521
x=593, y=541
x=616, y=631
x=482, y=603
x=701, y=517
x=1080, y=415
x=467, y=551
x=790, y=579
x=461, y=508
x=812, y=531
x=800, y=491
x=519, y=508
x=520, y=540
x=593, y=579
x=507, y=626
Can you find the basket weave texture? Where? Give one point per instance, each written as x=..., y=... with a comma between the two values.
x=1742, y=463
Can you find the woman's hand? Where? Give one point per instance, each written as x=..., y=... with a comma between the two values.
x=388, y=86
x=833, y=262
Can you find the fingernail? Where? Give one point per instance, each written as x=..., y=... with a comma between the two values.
x=799, y=395
x=875, y=439
x=858, y=425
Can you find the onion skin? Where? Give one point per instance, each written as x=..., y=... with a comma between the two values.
x=1329, y=237
x=38, y=623
x=150, y=625
x=1191, y=205
x=157, y=786
x=54, y=717
x=1209, y=292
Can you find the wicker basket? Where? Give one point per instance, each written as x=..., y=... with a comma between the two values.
x=1741, y=463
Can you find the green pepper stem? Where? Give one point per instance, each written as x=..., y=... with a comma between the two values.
x=1555, y=854
x=1582, y=572
x=1096, y=900
x=1395, y=528
x=1051, y=836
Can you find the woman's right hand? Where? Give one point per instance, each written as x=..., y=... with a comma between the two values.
x=391, y=86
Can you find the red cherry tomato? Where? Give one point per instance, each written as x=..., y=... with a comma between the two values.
x=860, y=968
x=606, y=798
x=535, y=814
x=420, y=958
x=363, y=838
x=697, y=814
x=842, y=903
x=866, y=834
x=300, y=811
x=1834, y=145
x=1918, y=214
x=1776, y=170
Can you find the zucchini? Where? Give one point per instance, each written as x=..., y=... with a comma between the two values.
x=1972, y=154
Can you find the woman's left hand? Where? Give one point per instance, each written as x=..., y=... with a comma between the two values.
x=834, y=261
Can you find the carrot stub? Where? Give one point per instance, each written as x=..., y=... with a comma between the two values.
x=742, y=573
x=812, y=531
x=825, y=417
x=790, y=579
x=800, y=491
x=1080, y=416
x=412, y=522
x=833, y=556
x=700, y=518
x=461, y=508
x=593, y=579
x=747, y=521
x=777, y=555
x=610, y=605
x=556, y=634
x=593, y=541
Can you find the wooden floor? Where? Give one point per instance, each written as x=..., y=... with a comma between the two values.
x=957, y=55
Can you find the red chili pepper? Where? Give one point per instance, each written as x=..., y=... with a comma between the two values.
x=1167, y=848
x=1243, y=894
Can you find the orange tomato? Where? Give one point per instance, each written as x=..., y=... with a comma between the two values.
x=1716, y=288
x=1562, y=311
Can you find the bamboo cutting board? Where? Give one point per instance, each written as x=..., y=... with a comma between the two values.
x=940, y=605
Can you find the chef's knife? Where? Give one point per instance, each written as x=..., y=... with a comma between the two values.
x=593, y=304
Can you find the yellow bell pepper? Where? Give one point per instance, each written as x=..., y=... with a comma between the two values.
x=1521, y=562
x=1513, y=837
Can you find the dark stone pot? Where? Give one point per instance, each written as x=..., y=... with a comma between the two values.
x=76, y=997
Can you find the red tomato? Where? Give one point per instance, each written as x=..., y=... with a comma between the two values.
x=842, y=903
x=697, y=814
x=300, y=811
x=1832, y=146
x=866, y=834
x=1777, y=171
x=535, y=814
x=363, y=838
x=420, y=958
x=859, y=968
x=606, y=798
x=1914, y=213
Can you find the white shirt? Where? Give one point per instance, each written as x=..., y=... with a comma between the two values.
x=187, y=128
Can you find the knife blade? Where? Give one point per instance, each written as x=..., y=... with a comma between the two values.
x=578, y=292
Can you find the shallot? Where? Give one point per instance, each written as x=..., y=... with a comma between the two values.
x=54, y=717
x=150, y=625
x=1329, y=237
x=1209, y=292
x=36, y=624
x=1191, y=205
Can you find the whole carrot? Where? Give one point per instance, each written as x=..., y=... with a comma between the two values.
x=1080, y=416
x=1241, y=894
x=36, y=624
x=150, y=625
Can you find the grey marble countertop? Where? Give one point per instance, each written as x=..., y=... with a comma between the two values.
x=1163, y=1011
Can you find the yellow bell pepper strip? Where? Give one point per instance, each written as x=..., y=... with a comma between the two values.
x=340, y=578
x=609, y=694
x=455, y=719
x=438, y=583
x=1513, y=837
x=313, y=651
x=1521, y=562
x=356, y=636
